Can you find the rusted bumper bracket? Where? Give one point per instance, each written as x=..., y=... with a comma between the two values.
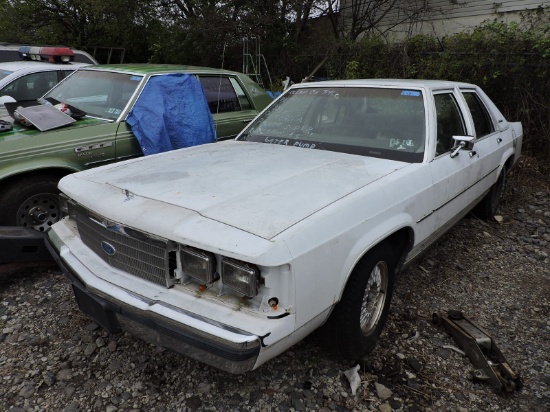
x=482, y=351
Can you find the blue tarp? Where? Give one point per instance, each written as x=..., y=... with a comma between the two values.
x=172, y=113
x=273, y=94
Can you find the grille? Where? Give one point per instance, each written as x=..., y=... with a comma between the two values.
x=138, y=254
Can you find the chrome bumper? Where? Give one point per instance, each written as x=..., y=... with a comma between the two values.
x=235, y=355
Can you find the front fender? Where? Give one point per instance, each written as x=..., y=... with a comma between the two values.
x=376, y=234
x=29, y=166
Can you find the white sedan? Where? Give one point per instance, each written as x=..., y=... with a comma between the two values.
x=36, y=73
x=231, y=252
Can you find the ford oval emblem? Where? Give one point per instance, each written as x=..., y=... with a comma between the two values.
x=108, y=248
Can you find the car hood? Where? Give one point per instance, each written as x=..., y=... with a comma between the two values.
x=20, y=132
x=260, y=188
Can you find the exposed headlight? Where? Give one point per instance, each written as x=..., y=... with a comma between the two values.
x=67, y=206
x=198, y=264
x=240, y=277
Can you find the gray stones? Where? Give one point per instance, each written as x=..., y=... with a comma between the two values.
x=52, y=357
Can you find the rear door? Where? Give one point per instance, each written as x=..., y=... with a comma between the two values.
x=488, y=145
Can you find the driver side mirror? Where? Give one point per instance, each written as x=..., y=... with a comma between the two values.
x=463, y=142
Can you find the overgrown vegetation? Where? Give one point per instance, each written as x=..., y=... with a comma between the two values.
x=511, y=62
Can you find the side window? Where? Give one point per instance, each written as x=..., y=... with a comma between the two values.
x=31, y=86
x=449, y=122
x=243, y=99
x=482, y=120
x=65, y=73
x=220, y=94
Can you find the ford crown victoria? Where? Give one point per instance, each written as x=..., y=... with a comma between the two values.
x=230, y=253
x=98, y=122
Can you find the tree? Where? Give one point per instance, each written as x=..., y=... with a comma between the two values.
x=359, y=17
x=80, y=24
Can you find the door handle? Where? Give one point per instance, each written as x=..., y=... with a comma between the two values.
x=499, y=140
x=473, y=153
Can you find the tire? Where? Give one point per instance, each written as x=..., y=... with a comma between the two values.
x=488, y=207
x=32, y=201
x=358, y=319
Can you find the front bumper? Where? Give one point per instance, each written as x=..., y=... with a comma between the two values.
x=22, y=244
x=229, y=350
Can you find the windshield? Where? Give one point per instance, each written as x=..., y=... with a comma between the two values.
x=377, y=122
x=96, y=93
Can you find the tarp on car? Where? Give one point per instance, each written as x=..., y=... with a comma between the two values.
x=172, y=113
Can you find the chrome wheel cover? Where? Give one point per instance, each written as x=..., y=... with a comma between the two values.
x=374, y=298
x=39, y=211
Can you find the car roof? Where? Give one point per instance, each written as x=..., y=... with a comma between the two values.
x=41, y=65
x=149, y=69
x=405, y=83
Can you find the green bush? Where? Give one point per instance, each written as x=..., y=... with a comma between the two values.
x=511, y=62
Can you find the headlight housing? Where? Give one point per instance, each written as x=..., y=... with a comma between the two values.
x=198, y=264
x=67, y=206
x=240, y=277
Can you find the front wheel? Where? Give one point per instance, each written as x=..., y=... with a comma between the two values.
x=31, y=202
x=358, y=319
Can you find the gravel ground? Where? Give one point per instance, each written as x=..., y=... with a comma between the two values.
x=53, y=358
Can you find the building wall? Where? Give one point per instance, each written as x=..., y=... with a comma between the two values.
x=444, y=17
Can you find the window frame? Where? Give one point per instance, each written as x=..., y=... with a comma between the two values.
x=485, y=113
x=463, y=121
x=216, y=110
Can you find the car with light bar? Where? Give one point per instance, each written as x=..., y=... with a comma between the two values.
x=104, y=114
x=12, y=52
x=37, y=71
x=231, y=253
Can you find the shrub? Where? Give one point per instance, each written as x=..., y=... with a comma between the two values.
x=511, y=62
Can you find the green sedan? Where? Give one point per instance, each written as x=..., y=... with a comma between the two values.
x=98, y=102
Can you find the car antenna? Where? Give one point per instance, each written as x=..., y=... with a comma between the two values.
x=220, y=82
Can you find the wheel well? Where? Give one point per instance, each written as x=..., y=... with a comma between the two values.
x=509, y=163
x=38, y=174
x=401, y=243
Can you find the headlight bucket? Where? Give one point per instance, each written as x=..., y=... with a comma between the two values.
x=67, y=206
x=198, y=264
x=240, y=277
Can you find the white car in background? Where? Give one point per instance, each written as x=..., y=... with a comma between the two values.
x=36, y=73
x=230, y=253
